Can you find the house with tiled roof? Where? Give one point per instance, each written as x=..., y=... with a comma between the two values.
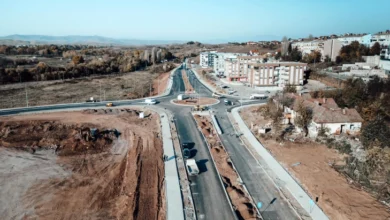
x=326, y=114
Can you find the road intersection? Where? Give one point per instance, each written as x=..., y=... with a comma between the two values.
x=208, y=193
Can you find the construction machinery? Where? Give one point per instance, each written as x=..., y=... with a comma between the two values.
x=109, y=104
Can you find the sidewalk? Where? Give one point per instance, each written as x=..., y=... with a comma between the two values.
x=173, y=194
x=282, y=175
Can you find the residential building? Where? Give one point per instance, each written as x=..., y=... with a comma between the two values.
x=332, y=49
x=276, y=74
x=364, y=39
x=326, y=115
x=383, y=39
x=306, y=47
x=207, y=59
x=236, y=69
x=219, y=61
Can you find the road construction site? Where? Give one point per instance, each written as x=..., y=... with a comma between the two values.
x=91, y=164
x=239, y=196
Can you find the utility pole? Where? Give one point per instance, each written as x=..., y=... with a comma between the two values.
x=104, y=91
x=158, y=86
x=150, y=89
x=100, y=93
x=25, y=87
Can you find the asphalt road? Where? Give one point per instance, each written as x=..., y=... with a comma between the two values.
x=208, y=193
x=259, y=185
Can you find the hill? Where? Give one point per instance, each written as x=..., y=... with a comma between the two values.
x=76, y=39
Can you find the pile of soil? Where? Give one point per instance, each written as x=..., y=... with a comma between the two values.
x=65, y=139
x=239, y=197
x=110, y=177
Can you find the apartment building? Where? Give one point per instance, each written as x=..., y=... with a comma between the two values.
x=306, y=47
x=331, y=49
x=219, y=61
x=237, y=69
x=382, y=39
x=364, y=39
x=207, y=59
x=276, y=74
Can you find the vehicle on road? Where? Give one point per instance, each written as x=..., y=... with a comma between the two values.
x=231, y=92
x=192, y=167
x=109, y=104
x=186, y=153
x=227, y=102
x=199, y=108
x=267, y=92
x=91, y=100
x=150, y=101
x=258, y=96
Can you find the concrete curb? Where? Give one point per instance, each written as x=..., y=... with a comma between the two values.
x=234, y=167
x=215, y=165
x=171, y=101
x=291, y=185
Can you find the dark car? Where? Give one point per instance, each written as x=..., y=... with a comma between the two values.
x=186, y=153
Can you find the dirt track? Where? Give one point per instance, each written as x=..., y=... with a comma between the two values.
x=240, y=199
x=187, y=84
x=106, y=179
x=337, y=196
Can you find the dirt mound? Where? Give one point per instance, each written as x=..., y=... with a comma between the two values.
x=65, y=139
x=240, y=198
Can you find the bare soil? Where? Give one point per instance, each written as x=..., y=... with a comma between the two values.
x=109, y=87
x=187, y=84
x=160, y=83
x=69, y=175
x=338, y=197
x=239, y=197
x=196, y=101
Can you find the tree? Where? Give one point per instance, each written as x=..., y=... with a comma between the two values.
x=278, y=55
x=376, y=132
x=77, y=59
x=310, y=37
x=304, y=117
x=285, y=46
x=375, y=49
x=289, y=89
x=327, y=59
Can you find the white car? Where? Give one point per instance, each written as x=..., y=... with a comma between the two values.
x=150, y=101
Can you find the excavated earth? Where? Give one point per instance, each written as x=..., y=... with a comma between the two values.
x=95, y=164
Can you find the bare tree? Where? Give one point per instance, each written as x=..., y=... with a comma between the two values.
x=285, y=45
x=311, y=37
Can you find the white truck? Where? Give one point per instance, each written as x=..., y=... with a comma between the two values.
x=150, y=101
x=191, y=167
x=258, y=96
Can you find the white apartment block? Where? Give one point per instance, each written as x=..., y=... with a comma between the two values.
x=382, y=39
x=276, y=74
x=362, y=39
x=219, y=61
x=207, y=59
x=306, y=47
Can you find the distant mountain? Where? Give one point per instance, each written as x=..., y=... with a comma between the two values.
x=75, y=39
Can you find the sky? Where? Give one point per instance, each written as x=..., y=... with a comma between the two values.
x=198, y=20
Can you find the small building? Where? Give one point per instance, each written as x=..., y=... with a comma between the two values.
x=326, y=115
